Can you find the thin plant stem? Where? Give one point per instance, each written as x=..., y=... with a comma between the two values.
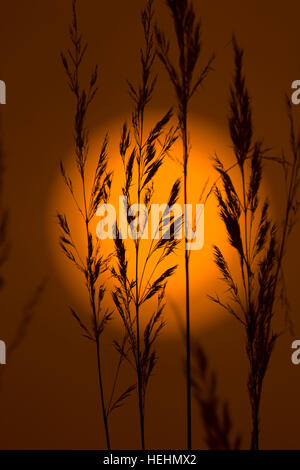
x=259, y=244
x=91, y=289
x=141, y=163
x=93, y=264
x=187, y=290
x=182, y=77
x=102, y=396
x=137, y=300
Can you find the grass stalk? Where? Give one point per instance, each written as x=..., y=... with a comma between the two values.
x=141, y=165
x=215, y=413
x=137, y=306
x=93, y=264
x=259, y=244
x=187, y=29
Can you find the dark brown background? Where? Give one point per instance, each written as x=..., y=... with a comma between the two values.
x=49, y=390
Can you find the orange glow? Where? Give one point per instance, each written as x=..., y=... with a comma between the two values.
x=206, y=140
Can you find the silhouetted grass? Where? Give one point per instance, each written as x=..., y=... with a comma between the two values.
x=186, y=80
x=30, y=307
x=142, y=159
x=93, y=263
x=214, y=412
x=291, y=168
x=259, y=244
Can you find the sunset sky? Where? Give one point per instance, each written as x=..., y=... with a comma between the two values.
x=49, y=394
